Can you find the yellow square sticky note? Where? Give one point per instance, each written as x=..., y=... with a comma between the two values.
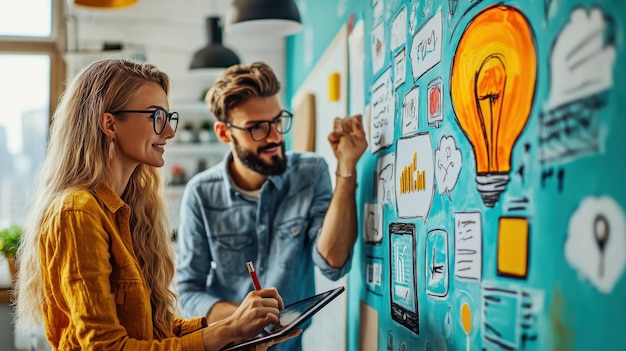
x=333, y=87
x=513, y=236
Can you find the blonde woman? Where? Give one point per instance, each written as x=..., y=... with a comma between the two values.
x=95, y=261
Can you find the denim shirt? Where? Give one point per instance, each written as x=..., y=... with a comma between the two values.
x=220, y=229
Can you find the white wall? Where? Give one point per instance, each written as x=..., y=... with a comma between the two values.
x=168, y=33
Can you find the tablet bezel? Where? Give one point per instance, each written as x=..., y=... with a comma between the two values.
x=326, y=297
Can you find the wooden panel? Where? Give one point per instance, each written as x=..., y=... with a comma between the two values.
x=5, y=296
x=304, y=125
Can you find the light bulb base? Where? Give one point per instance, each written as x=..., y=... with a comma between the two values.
x=491, y=185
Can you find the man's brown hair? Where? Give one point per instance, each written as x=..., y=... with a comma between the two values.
x=237, y=85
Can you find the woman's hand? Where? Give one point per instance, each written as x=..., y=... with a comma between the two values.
x=257, y=310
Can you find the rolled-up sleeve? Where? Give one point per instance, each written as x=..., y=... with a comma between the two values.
x=321, y=200
x=190, y=332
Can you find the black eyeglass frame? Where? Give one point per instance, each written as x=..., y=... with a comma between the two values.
x=274, y=121
x=170, y=116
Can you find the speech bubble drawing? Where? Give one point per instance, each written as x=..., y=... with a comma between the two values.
x=448, y=162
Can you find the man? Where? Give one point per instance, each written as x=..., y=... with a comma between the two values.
x=263, y=204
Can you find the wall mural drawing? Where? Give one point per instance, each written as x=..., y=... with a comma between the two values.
x=596, y=242
x=463, y=311
x=426, y=46
x=372, y=223
x=399, y=68
x=413, y=18
x=398, y=30
x=428, y=8
x=448, y=162
x=504, y=229
x=436, y=268
x=435, y=102
x=525, y=159
x=403, y=287
x=581, y=74
x=385, y=180
x=410, y=111
x=447, y=323
x=382, y=112
x=513, y=246
x=466, y=321
x=414, y=176
x=509, y=316
x=516, y=203
x=378, y=47
x=468, y=251
x=374, y=274
x=549, y=173
x=492, y=86
x=452, y=5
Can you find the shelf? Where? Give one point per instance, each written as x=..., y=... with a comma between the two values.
x=196, y=149
x=174, y=190
x=197, y=106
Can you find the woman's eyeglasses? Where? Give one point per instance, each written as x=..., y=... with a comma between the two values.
x=261, y=130
x=160, y=117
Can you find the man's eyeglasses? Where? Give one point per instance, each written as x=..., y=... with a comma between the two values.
x=160, y=117
x=261, y=130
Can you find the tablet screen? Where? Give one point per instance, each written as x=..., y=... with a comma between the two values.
x=290, y=318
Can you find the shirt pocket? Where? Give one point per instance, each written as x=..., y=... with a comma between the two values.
x=232, y=251
x=291, y=241
x=131, y=301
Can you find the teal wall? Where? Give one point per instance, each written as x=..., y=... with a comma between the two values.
x=539, y=264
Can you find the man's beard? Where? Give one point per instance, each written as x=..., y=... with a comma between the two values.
x=255, y=163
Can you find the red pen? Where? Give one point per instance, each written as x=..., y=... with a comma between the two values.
x=255, y=279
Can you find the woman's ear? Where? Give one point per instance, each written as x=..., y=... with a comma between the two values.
x=221, y=131
x=107, y=124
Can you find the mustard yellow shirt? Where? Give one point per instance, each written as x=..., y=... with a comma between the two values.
x=95, y=295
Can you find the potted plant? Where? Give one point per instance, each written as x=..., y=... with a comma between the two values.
x=206, y=134
x=9, y=243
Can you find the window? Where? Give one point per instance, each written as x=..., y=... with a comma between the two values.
x=32, y=71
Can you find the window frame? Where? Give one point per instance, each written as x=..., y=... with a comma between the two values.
x=53, y=46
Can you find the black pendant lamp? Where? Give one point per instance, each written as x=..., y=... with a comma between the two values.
x=264, y=17
x=214, y=55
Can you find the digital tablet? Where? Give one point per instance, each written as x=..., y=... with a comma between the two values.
x=289, y=319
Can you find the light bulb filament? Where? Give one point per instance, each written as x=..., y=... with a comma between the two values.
x=489, y=88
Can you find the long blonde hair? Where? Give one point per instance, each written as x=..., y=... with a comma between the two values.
x=77, y=158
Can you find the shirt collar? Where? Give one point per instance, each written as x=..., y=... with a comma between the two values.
x=108, y=197
x=277, y=180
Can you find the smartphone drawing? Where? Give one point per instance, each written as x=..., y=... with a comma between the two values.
x=403, y=286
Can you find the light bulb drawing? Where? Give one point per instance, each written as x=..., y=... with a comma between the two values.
x=492, y=86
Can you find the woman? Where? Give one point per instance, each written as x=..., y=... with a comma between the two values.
x=95, y=261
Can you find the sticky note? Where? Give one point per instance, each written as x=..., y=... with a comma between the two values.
x=333, y=86
x=513, y=238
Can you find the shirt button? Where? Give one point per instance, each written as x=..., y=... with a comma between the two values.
x=260, y=227
x=262, y=269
